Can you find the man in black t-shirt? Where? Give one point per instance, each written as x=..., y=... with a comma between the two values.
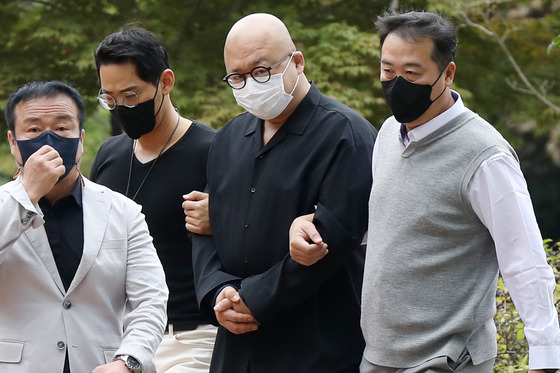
x=160, y=158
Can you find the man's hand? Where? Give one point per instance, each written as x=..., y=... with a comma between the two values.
x=197, y=219
x=41, y=172
x=117, y=366
x=233, y=314
x=302, y=232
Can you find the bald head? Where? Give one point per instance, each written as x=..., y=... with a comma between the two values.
x=261, y=37
x=261, y=28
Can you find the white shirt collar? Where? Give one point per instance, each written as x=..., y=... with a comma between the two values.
x=418, y=133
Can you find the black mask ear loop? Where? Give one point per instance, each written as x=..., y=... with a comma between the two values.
x=440, y=74
x=162, y=98
x=20, y=166
x=76, y=163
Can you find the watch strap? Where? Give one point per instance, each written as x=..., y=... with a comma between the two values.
x=131, y=363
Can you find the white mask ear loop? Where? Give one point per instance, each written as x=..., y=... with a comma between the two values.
x=297, y=81
x=285, y=69
x=289, y=61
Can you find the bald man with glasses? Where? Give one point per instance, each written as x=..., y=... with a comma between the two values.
x=294, y=152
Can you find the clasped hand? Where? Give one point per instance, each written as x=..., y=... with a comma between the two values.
x=233, y=314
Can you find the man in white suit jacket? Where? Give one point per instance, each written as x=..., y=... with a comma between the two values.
x=110, y=316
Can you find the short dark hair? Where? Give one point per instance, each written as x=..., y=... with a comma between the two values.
x=419, y=25
x=40, y=89
x=137, y=46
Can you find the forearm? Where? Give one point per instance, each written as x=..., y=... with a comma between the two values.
x=146, y=292
x=288, y=283
x=209, y=277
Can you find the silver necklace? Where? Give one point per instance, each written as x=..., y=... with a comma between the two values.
x=153, y=164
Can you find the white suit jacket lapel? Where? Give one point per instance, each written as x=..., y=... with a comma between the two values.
x=36, y=235
x=96, y=206
x=40, y=243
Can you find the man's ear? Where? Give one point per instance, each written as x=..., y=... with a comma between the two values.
x=167, y=78
x=299, y=61
x=80, y=151
x=13, y=146
x=449, y=73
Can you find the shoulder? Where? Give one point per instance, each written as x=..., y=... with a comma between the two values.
x=203, y=130
x=200, y=134
x=91, y=187
x=194, y=143
x=476, y=130
x=477, y=124
x=389, y=125
x=342, y=112
x=118, y=143
x=238, y=125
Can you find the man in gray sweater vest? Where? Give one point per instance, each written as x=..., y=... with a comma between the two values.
x=449, y=207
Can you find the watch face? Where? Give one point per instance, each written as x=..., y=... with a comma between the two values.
x=133, y=364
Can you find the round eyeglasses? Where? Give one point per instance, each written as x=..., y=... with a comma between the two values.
x=261, y=74
x=129, y=99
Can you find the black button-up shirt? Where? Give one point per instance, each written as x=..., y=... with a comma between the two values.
x=64, y=223
x=318, y=161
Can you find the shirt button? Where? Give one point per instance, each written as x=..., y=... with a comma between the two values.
x=246, y=225
x=253, y=190
x=60, y=345
x=67, y=304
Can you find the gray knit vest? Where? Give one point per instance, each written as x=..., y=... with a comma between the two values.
x=431, y=268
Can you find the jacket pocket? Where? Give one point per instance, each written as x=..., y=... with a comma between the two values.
x=11, y=351
x=109, y=353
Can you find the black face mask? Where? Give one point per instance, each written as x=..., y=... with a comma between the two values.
x=408, y=101
x=66, y=148
x=139, y=120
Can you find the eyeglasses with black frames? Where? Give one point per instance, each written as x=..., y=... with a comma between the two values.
x=261, y=74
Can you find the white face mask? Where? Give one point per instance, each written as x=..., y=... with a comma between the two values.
x=265, y=100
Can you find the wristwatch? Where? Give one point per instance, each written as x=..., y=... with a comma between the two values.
x=131, y=363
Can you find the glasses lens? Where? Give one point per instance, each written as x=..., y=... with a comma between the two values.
x=261, y=74
x=236, y=81
x=130, y=99
x=106, y=101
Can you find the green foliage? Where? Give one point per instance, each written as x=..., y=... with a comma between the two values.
x=7, y=163
x=554, y=44
x=97, y=128
x=512, y=346
x=343, y=61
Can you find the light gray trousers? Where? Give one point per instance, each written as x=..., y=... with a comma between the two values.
x=441, y=364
